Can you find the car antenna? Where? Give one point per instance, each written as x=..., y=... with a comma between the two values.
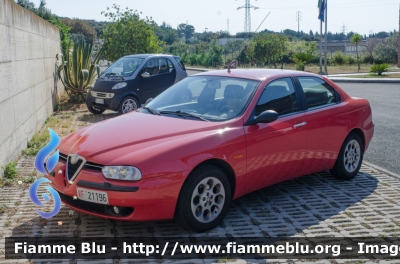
x=230, y=64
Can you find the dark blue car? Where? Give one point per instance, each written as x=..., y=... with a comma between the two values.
x=133, y=79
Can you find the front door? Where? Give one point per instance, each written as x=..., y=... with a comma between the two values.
x=161, y=77
x=275, y=151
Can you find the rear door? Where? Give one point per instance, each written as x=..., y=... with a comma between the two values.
x=326, y=123
x=275, y=151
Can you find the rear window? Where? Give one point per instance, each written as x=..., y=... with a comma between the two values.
x=180, y=62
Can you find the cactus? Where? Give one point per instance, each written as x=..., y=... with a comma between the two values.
x=78, y=70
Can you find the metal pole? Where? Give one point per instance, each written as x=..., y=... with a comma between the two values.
x=320, y=49
x=326, y=34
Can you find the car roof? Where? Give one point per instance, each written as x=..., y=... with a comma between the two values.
x=144, y=56
x=256, y=74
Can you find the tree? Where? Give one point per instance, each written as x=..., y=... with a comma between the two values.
x=166, y=33
x=267, y=47
x=356, y=39
x=382, y=34
x=27, y=4
x=185, y=30
x=128, y=34
x=303, y=53
x=79, y=26
x=387, y=52
x=370, y=45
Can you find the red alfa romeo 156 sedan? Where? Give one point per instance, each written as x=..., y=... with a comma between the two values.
x=242, y=130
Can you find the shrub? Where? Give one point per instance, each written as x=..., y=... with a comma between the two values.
x=339, y=58
x=301, y=60
x=350, y=59
x=10, y=170
x=37, y=142
x=379, y=68
x=366, y=58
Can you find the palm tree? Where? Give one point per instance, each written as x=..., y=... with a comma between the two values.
x=356, y=39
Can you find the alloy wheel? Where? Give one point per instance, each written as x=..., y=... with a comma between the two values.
x=208, y=199
x=352, y=155
x=129, y=105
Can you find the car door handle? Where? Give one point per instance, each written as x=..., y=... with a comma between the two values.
x=300, y=125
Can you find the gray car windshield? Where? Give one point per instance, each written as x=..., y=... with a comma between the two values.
x=210, y=98
x=124, y=67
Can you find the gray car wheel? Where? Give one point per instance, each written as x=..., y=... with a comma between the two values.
x=208, y=199
x=128, y=104
x=204, y=199
x=349, y=160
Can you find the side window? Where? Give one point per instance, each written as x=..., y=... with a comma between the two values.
x=163, y=65
x=170, y=66
x=180, y=62
x=278, y=95
x=152, y=67
x=317, y=92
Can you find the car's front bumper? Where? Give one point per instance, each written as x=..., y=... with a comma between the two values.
x=110, y=100
x=144, y=200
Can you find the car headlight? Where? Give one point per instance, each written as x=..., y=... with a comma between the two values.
x=119, y=85
x=125, y=173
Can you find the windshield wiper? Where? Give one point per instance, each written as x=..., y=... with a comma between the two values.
x=114, y=74
x=182, y=113
x=150, y=110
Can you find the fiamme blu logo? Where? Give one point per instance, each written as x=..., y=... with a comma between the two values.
x=45, y=163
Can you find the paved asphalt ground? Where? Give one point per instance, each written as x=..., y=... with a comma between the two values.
x=384, y=150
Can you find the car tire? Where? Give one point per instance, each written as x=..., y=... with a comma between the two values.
x=204, y=199
x=184, y=96
x=350, y=158
x=128, y=104
x=94, y=110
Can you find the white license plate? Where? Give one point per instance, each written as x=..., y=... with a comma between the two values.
x=99, y=101
x=92, y=196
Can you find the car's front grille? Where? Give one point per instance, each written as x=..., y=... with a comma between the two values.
x=87, y=166
x=103, y=209
x=102, y=95
x=62, y=158
x=74, y=168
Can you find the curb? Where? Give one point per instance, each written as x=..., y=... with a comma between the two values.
x=363, y=80
x=334, y=79
x=381, y=169
x=198, y=69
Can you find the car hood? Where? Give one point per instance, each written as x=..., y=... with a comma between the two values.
x=119, y=139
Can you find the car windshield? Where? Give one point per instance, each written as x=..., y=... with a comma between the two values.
x=209, y=98
x=124, y=67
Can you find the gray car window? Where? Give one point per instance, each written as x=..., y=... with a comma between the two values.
x=170, y=65
x=280, y=96
x=152, y=67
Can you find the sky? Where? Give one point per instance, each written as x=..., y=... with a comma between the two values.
x=361, y=16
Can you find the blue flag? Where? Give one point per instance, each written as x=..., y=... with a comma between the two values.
x=321, y=15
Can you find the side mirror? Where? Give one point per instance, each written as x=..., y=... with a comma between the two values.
x=145, y=75
x=148, y=101
x=267, y=116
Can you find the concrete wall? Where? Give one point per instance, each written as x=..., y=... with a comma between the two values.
x=28, y=82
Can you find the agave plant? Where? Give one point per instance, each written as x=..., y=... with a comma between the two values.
x=78, y=70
